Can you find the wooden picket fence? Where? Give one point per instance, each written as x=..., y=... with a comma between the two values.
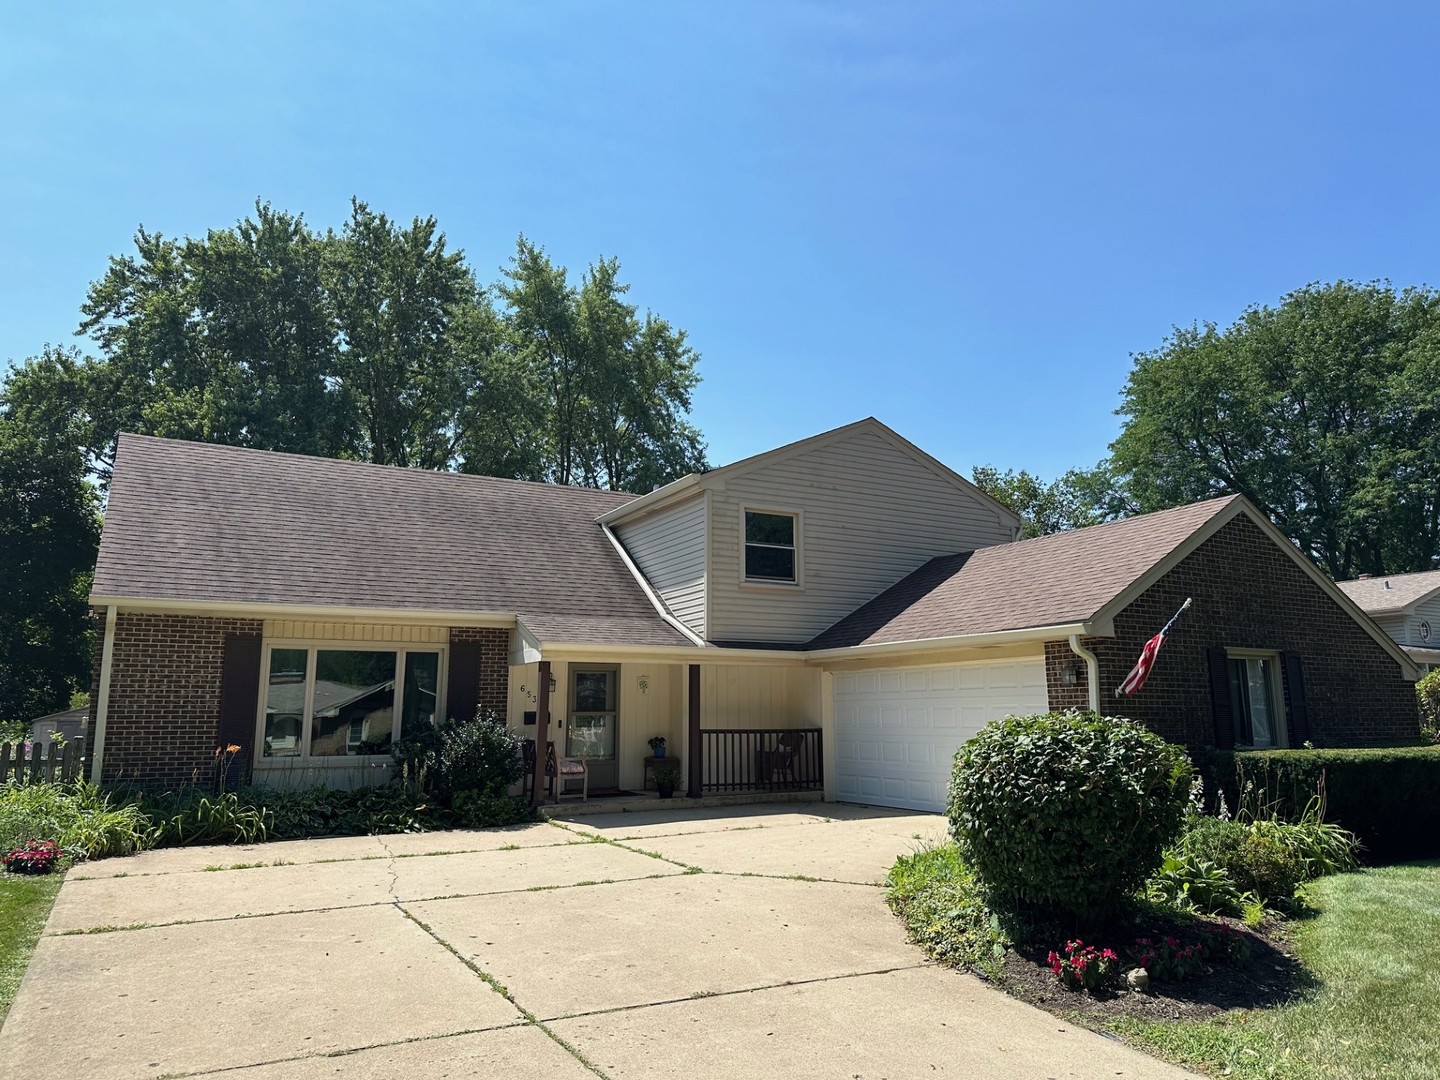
x=47, y=764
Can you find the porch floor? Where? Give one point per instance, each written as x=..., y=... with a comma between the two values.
x=637, y=801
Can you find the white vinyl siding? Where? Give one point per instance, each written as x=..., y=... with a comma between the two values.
x=669, y=548
x=872, y=513
x=1427, y=611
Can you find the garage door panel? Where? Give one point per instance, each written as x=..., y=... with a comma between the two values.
x=897, y=730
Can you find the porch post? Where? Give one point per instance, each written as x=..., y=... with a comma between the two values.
x=542, y=732
x=696, y=766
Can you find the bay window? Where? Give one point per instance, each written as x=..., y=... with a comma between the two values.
x=324, y=701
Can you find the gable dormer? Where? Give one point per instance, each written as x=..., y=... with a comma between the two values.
x=778, y=547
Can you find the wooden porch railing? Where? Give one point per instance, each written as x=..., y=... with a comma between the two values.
x=761, y=759
x=36, y=763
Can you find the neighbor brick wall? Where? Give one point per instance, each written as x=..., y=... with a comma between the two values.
x=165, y=696
x=494, y=679
x=1248, y=594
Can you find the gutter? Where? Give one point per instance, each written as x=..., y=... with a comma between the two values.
x=959, y=641
x=1092, y=671
x=102, y=704
x=336, y=613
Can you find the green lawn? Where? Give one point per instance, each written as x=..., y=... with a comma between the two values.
x=24, y=906
x=1375, y=947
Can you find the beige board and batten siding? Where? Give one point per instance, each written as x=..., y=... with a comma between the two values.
x=870, y=514
x=669, y=548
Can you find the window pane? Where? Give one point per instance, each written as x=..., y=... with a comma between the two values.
x=285, y=702
x=354, y=702
x=772, y=564
x=594, y=691
x=769, y=529
x=1262, y=722
x=422, y=680
x=590, y=737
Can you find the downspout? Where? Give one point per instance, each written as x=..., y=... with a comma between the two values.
x=1092, y=671
x=102, y=705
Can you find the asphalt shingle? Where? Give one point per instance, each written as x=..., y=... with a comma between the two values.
x=1049, y=581
x=199, y=522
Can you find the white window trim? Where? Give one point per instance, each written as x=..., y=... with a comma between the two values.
x=798, y=585
x=1277, y=693
x=313, y=647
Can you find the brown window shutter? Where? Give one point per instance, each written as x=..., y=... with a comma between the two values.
x=1299, y=715
x=463, y=686
x=239, y=702
x=1220, y=698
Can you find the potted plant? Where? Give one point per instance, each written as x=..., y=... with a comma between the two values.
x=667, y=778
x=657, y=746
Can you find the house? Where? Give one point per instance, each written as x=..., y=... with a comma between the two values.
x=838, y=614
x=1407, y=607
x=67, y=724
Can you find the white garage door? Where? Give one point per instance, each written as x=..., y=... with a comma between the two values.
x=897, y=730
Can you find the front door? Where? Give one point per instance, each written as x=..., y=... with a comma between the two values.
x=594, y=716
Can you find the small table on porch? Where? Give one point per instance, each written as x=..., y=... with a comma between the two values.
x=652, y=763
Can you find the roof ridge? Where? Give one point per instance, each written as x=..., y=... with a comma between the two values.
x=411, y=470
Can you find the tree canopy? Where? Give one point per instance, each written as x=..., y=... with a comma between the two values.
x=1324, y=411
x=375, y=343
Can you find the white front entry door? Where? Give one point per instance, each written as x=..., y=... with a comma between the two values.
x=897, y=729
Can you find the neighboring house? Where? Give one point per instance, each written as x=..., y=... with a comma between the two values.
x=1407, y=607
x=841, y=612
x=68, y=724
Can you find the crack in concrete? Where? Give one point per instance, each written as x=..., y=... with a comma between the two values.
x=504, y=992
x=82, y=932
x=706, y=994
x=346, y=1052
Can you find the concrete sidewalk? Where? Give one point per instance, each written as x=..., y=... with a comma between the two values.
x=722, y=943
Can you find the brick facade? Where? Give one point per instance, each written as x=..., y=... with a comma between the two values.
x=494, y=689
x=165, y=696
x=165, y=676
x=1248, y=594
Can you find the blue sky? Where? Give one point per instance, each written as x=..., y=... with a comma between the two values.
x=959, y=218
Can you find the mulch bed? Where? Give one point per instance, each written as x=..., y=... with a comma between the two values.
x=1271, y=977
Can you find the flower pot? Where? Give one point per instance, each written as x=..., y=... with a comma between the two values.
x=665, y=791
x=659, y=751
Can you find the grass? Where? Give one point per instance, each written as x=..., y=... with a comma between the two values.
x=1375, y=947
x=25, y=904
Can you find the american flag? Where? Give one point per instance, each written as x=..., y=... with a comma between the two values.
x=1141, y=671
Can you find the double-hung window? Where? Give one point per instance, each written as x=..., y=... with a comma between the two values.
x=329, y=702
x=772, y=547
x=1256, y=702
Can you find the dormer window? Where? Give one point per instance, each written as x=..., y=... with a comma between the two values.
x=771, y=543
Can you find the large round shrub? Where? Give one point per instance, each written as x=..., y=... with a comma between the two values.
x=1064, y=816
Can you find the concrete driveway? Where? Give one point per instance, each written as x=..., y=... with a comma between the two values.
x=738, y=942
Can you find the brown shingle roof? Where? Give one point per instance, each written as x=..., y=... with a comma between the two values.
x=1377, y=595
x=198, y=522
x=1049, y=581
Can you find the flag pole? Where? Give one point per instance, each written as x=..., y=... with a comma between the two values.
x=1141, y=671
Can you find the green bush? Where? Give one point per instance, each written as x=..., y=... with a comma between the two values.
x=79, y=817
x=202, y=818
x=1066, y=815
x=1266, y=858
x=1427, y=693
x=479, y=754
x=1389, y=798
x=1189, y=883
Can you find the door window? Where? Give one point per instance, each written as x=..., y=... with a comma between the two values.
x=591, y=733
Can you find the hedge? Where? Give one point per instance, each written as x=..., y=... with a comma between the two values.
x=1389, y=797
